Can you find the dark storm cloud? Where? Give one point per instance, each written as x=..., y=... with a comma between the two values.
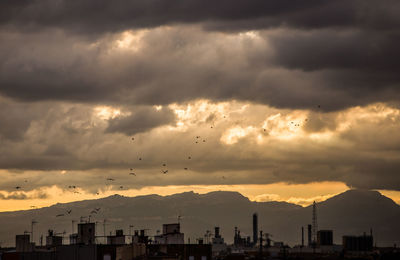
x=141, y=120
x=15, y=119
x=105, y=16
x=283, y=68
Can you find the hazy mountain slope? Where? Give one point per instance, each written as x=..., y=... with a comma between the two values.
x=349, y=213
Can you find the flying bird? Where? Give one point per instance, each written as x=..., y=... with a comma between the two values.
x=59, y=215
x=185, y=168
x=69, y=211
x=132, y=173
x=165, y=172
x=110, y=179
x=97, y=209
x=121, y=187
x=164, y=164
x=18, y=187
x=93, y=212
x=140, y=158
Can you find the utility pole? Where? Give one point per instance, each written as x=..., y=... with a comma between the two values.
x=261, y=244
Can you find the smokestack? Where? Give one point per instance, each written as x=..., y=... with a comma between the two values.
x=216, y=232
x=302, y=236
x=255, y=228
x=309, y=235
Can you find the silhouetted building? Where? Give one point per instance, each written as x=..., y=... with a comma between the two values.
x=73, y=239
x=118, y=239
x=179, y=252
x=240, y=241
x=86, y=233
x=358, y=243
x=23, y=243
x=325, y=237
x=218, y=244
x=129, y=252
x=52, y=239
x=255, y=228
x=140, y=237
x=171, y=235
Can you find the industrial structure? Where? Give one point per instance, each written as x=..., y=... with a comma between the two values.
x=170, y=245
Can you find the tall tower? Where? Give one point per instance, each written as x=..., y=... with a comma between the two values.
x=314, y=224
x=255, y=228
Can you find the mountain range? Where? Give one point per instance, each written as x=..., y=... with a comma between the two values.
x=350, y=213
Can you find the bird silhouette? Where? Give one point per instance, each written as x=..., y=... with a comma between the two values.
x=110, y=179
x=121, y=187
x=164, y=164
x=165, y=172
x=18, y=187
x=69, y=211
x=132, y=173
x=185, y=168
x=59, y=215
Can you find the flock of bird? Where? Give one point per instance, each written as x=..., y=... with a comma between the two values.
x=198, y=139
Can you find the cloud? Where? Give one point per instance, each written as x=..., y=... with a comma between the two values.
x=184, y=63
x=141, y=120
x=354, y=148
x=23, y=195
x=89, y=16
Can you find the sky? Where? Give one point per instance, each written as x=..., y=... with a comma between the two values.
x=279, y=100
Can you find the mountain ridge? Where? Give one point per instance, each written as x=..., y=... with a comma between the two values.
x=351, y=212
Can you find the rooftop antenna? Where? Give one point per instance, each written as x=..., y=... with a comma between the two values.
x=314, y=224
